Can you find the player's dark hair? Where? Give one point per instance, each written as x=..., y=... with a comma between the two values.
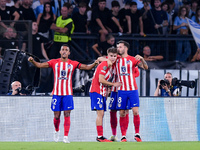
x=112, y=50
x=66, y=45
x=125, y=43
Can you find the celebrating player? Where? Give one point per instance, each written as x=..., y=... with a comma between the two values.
x=113, y=109
x=128, y=92
x=101, y=79
x=62, y=99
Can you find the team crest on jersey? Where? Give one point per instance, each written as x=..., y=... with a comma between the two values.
x=128, y=62
x=104, y=68
x=68, y=66
x=123, y=69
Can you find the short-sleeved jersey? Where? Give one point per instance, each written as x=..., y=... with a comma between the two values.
x=108, y=73
x=126, y=73
x=63, y=72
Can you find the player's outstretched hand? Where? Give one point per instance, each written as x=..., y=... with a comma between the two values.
x=138, y=57
x=30, y=59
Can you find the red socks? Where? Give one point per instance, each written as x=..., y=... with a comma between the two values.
x=56, y=124
x=136, y=121
x=127, y=121
x=123, y=124
x=100, y=131
x=113, y=122
x=66, y=126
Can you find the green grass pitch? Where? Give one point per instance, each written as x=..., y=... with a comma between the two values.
x=100, y=146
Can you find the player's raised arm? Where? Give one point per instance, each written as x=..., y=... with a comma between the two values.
x=37, y=64
x=143, y=63
x=89, y=67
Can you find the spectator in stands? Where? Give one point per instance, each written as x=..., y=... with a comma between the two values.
x=45, y=21
x=158, y=18
x=63, y=27
x=146, y=21
x=20, y=27
x=39, y=9
x=8, y=41
x=122, y=18
x=147, y=55
x=165, y=87
x=81, y=24
x=187, y=4
x=100, y=18
x=134, y=20
x=101, y=47
x=115, y=12
x=16, y=87
x=196, y=57
x=70, y=8
x=181, y=25
x=80, y=19
x=165, y=8
x=196, y=17
x=194, y=5
x=6, y=13
x=37, y=43
x=172, y=14
x=27, y=10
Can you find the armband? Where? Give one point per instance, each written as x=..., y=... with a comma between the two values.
x=168, y=91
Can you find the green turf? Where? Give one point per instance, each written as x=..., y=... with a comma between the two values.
x=100, y=146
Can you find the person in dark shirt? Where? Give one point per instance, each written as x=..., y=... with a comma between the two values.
x=101, y=47
x=28, y=11
x=37, y=43
x=115, y=12
x=8, y=41
x=6, y=13
x=100, y=19
x=81, y=24
x=45, y=20
x=134, y=21
x=122, y=18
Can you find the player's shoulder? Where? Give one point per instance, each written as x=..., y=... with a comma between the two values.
x=54, y=60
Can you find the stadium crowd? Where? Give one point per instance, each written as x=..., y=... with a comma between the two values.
x=98, y=17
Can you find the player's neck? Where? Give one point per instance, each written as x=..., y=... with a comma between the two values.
x=124, y=55
x=64, y=59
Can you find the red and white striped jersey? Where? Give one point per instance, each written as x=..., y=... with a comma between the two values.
x=126, y=73
x=63, y=72
x=108, y=73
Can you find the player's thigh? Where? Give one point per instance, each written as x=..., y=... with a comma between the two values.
x=134, y=99
x=56, y=103
x=113, y=101
x=67, y=103
x=98, y=102
x=122, y=100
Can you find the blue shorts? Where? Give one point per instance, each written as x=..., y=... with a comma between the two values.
x=98, y=102
x=61, y=103
x=113, y=101
x=128, y=99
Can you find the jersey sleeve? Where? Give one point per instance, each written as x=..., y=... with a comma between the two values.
x=51, y=62
x=103, y=68
x=76, y=64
